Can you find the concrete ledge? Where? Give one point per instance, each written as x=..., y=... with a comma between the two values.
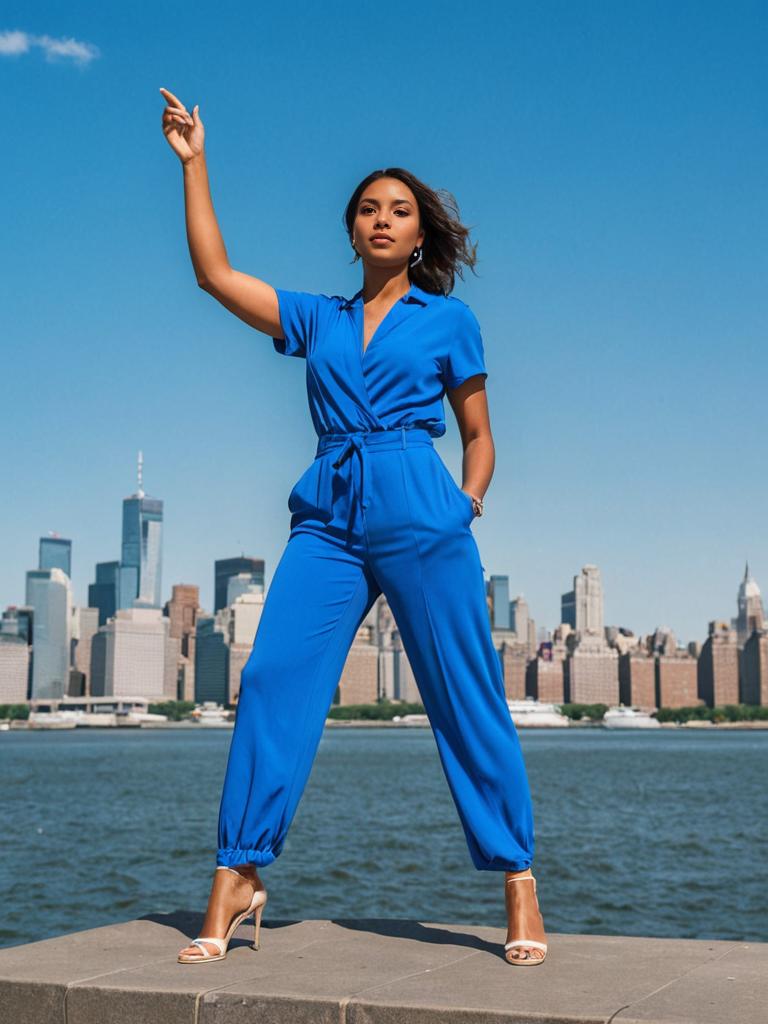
x=376, y=972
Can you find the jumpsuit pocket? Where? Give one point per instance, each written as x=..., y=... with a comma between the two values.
x=305, y=493
x=468, y=502
x=469, y=508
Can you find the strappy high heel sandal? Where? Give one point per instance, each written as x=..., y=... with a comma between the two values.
x=530, y=961
x=256, y=908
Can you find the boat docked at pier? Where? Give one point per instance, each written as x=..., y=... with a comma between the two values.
x=628, y=717
x=531, y=713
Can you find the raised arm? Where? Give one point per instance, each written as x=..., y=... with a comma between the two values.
x=249, y=298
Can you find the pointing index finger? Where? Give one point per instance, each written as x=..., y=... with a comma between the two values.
x=175, y=99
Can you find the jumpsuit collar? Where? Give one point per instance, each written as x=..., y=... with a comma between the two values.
x=414, y=294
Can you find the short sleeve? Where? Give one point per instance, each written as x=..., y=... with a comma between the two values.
x=299, y=314
x=465, y=357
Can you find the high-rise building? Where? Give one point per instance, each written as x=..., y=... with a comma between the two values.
x=498, y=589
x=134, y=656
x=568, y=609
x=244, y=616
x=519, y=618
x=225, y=568
x=591, y=671
x=14, y=669
x=49, y=594
x=104, y=593
x=545, y=676
x=588, y=591
x=18, y=622
x=751, y=615
x=676, y=680
x=523, y=625
x=182, y=608
x=718, y=666
x=637, y=679
x=243, y=583
x=142, y=549
x=755, y=669
x=239, y=622
x=85, y=625
x=513, y=656
x=182, y=611
x=55, y=553
x=211, y=661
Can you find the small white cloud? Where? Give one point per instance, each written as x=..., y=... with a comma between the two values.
x=15, y=42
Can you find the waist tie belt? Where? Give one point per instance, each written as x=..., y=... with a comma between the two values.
x=364, y=443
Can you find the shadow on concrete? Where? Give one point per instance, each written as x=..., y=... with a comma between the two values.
x=189, y=923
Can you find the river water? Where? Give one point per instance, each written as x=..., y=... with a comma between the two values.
x=657, y=833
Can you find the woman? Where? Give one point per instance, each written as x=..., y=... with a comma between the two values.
x=376, y=512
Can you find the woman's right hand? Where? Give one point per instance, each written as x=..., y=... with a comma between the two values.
x=184, y=131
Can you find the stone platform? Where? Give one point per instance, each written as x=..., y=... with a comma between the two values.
x=376, y=972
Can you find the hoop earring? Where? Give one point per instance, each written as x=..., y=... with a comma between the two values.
x=418, y=258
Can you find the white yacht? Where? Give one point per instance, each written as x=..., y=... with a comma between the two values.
x=530, y=713
x=623, y=717
x=211, y=713
x=412, y=719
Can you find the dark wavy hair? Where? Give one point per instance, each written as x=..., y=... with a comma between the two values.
x=446, y=240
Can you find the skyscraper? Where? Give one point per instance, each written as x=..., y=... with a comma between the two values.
x=141, y=553
x=588, y=591
x=224, y=568
x=211, y=661
x=520, y=617
x=591, y=671
x=105, y=592
x=243, y=583
x=49, y=593
x=134, y=655
x=55, y=553
x=498, y=588
x=750, y=608
x=718, y=666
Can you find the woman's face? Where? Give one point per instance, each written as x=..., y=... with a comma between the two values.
x=387, y=207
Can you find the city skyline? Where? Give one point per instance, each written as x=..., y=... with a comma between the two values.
x=141, y=559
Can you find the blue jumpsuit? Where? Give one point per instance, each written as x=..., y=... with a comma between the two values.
x=377, y=511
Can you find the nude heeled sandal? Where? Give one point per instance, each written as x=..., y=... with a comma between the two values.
x=530, y=961
x=256, y=908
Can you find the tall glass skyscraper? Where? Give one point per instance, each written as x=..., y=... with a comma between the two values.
x=49, y=593
x=104, y=593
x=55, y=553
x=499, y=588
x=142, y=549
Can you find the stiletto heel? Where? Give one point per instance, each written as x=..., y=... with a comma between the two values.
x=255, y=907
x=531, y=960
x=257, y=925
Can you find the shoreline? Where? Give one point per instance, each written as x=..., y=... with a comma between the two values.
x=21, y=725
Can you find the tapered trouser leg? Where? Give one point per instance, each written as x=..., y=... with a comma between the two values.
x=426, y=560
x=318, y=596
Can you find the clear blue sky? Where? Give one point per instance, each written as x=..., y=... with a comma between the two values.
x=611, y=159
